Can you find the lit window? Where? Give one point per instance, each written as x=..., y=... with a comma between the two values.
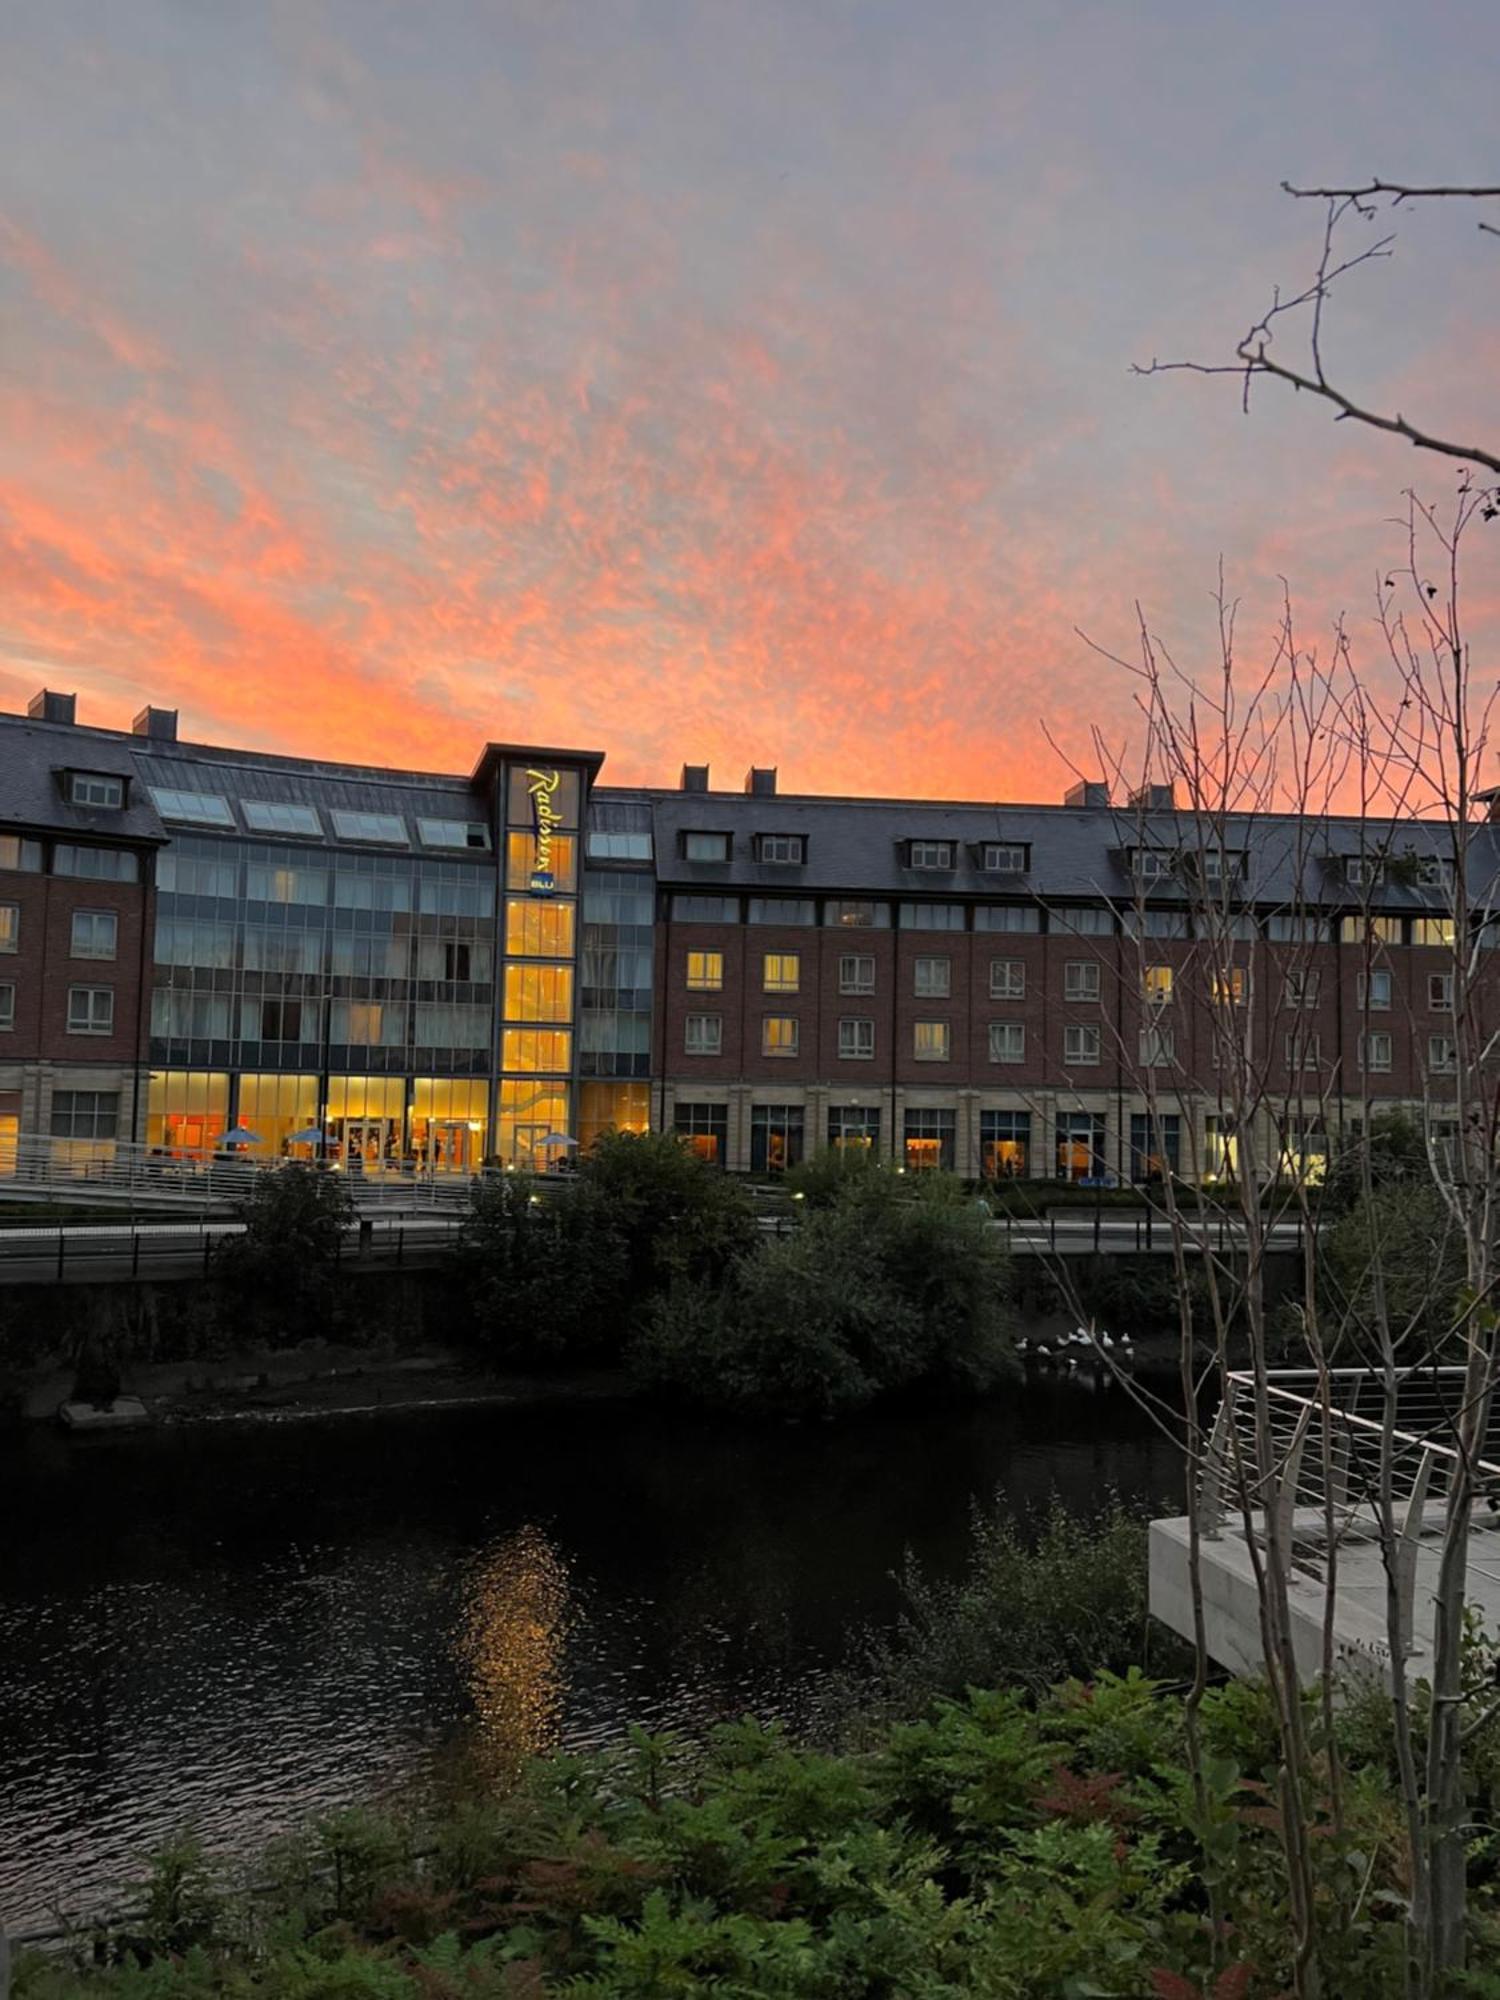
x=1375, y=990
x=95, y=788
x=1080, y=980
x=528, y=867
x=453, y=833
x=929, y=854
x=1375, y=1052
x=1081, y=1045
x=778, y=1035
x=786, y=850
x=277, y=816
x=1440, y=991
x=525, y=1051
x=538, y=929
x=24, y=856
x=705, y=971
x=1007, y=979
x=703, y=1034
x=705, y=847
x=7, y=1005
x=932, y=1041
x=1005, y=857
x=1380, y=930
x=10, y=927
x=856, y=1040
x=381, y=829
x=200, y=808
x=783, y=971
x=1302, y=989
x=1007, y=1042
x=1433, y=930
x=91, y=1010
x=857, y=916
x=538, y=992
x=933, y=978
x=857, y=973
x=94, y=933
x=1158, y=1047
x=1442, y=1055
x=1156, y=985
x=1227, y=986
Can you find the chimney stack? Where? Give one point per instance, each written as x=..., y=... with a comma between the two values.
x=695, y=777
x=760, y=781
x=1090, y=792
x=158, y=723
x=48, y=706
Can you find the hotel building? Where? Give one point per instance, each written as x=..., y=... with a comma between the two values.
x=435, y=970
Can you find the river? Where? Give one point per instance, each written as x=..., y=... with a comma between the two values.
x=239, y=1625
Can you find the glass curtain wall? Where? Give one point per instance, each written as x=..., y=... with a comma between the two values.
x=540, y=858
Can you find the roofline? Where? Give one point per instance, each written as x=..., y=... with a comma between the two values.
x=494, y=754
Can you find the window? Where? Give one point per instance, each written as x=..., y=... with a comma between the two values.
x=1080, y=979
x=199, y=808
x=1221, y=1148
x=184, y=1017
x=1440, y=991
x=705, y=971
x=91, y=1010
x=778, y=1035
x=1005, y=857
x=1156, y=924
x=310, y=885
x=930, y=1137
x=1362, y=871
x=94, y=788
x=1302, y=989
x=797, y=910
x=1375, y=990
x=1081, y=1045
x=85, y=1114
x=935, y=854
x=532, y=992
x=1005, y=1144
x=1433, y=930
x=1442, y=1055
x=1017, y=917
x=1007, y=1042
x=1087, y=920
x=933, y=978
x=1080, y=1145
x=1215, y=867
x=24, y=856
x=95, y=864
x=189, y=875
x=857, y=973
x=1152, y=864
x=782, y=972
x=856, y=1040
x=538, y=929
x=616, y=846
x=856, y=1126
x=775, y=1137
x=381, y=829
x=7, y=1005
x=468, y=833
x=1158, y=1047
x=1374, y=931
x=1375, y=1052
x=94, y=933
x=1433, y=872
x=703, y=1035
x=1283, y=929
x=706, y=909
x=1156, y=985
x=855, y=916
x=277, y=1020
x=932, y=916
x=1227, y=986
x=523, y=1051
x=455, y=1024
x=278, y=816
x=1302, y=1051
x=704, y=1129
x=932, y=1041
x=1155, y=1145
x=10, y=927
x=705, y=847
x=784, y=850
x=1007, y=979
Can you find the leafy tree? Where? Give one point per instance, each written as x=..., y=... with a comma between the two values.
x=545, y=1275
x=678, y=1217
x=280, y=1273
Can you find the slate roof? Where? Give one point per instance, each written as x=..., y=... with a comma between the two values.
x=32, y=757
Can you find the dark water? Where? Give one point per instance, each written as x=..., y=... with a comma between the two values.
x=240, y=1625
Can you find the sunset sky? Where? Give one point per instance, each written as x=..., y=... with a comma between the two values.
x=730, y=380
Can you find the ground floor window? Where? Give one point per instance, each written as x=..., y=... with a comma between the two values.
x=187, y=1112
x=856, y=1126
x=534, y=1130
x=612, y=1107
x=10, y=1129
x=1080, y=1145
x=449, y=1119
x=1005, y=1144
x=366, y=1123
x=706, y=1130
x=84, y=1125
x=1155, y=1145
x=282, y=1112
x=930, y=1140
x=775, y=1137
x=1221, y=1148
x=1304, y=1148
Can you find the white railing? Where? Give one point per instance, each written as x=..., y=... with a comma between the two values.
x=1335, y=1467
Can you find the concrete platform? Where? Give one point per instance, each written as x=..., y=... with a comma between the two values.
x=124, y=1413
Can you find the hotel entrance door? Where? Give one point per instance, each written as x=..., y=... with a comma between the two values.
x=367, y=1144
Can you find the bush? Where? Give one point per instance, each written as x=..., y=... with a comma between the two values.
x=677, y=1217
x=279, y=1278
x=544, y=1275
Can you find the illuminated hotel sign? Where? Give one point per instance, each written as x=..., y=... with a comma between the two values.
x=543, y=786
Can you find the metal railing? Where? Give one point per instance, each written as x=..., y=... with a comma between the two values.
x=1344, y=1460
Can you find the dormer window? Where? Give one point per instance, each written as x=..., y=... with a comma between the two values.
x=931, y=854
x=1152, y=864
x=705, y=847
x=1005, y=857
x=1216, y=867
x=783, y=850
x=1363, y=871
x=1434, y=872
x=99, y=790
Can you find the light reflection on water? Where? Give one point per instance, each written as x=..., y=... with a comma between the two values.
x=244, y=1626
